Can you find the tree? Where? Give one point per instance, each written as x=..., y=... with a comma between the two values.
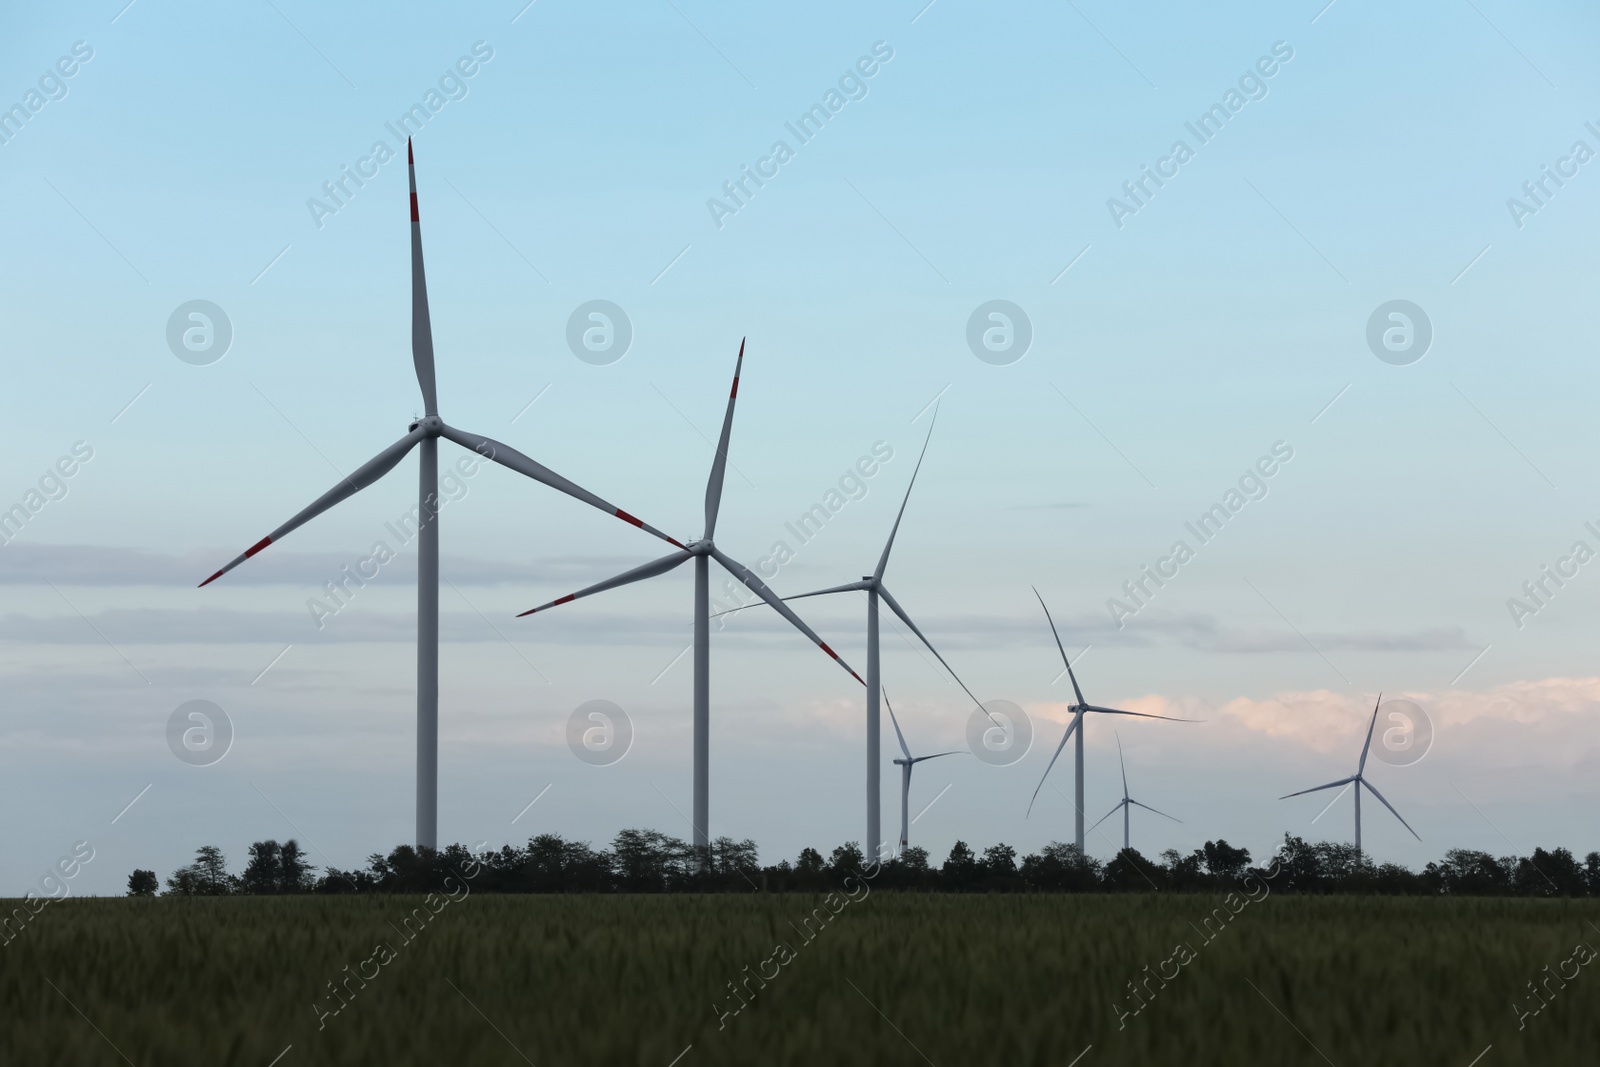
x=846, y=860
x=1060, y=866
x=1184, y=872
x=261, y=871
x=1226, y=862
x=143, y=884
x=294, y=873
x=960, y=870
x=732, y=857
x=1130, y=871
x=1555, y=873
x=1468, y=872
x=207, y=876
x=1000, y=859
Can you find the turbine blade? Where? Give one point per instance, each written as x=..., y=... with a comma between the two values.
x=1108, y=814
x=1362, y=766
x=1390, y=806
x=358, y=479
x=852, y=587
x=760, y=589
x=936, y=755
x=719, y=463
x=894, y=606
x=1076, y=719
x=1124, y=764
x=1318, y=788
x=1136, y=714
x=1147, y=807
x=900, y=736
x=510, y=458
x=421, y=328
x=637, y=574
x=1063, y=651
x=883, y=560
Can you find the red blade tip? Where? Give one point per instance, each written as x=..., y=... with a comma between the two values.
x=209, y=580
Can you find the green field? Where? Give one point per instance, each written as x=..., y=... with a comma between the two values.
x=890, y=979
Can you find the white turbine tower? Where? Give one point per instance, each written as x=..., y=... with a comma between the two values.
x=905, y=766
x=1127, y=803
x=702, y=552
x=1359, y=780
x=1078, y=710
x=872, y=585
x=425, y=432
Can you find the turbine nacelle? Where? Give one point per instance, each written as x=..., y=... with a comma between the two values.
x=703, y=547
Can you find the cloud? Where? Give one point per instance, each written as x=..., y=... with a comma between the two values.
x=1547, y=713
x=1056, y=505
x=103, y=565
x=218, y=626
x=1206, y=634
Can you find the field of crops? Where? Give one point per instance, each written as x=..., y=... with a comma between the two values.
x=873, y=978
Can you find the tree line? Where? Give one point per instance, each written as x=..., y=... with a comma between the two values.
x=647, y=861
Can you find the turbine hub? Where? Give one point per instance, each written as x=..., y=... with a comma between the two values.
x=702, y=547
x=431, y=423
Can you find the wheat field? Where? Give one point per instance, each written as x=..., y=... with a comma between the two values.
x=865, y=978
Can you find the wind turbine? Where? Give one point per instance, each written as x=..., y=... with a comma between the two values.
x=703, y=551
x=872, y=585
x=1127, y=803
x=424, y=433
x=905, y=766
x=1359, y=778
x=1076, y=727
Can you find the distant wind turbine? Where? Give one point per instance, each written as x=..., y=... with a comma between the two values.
x=905, y=766
x=872, y=585
x=702, y=552
x=1127, y=803
x=1359, y=778
x=425, y=432
x=1078, y=710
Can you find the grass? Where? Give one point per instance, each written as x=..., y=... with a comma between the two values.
x=891, y=979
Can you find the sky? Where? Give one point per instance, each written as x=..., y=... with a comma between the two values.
x=1164, y=342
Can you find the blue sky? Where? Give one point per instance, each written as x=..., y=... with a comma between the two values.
x=576, y=164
